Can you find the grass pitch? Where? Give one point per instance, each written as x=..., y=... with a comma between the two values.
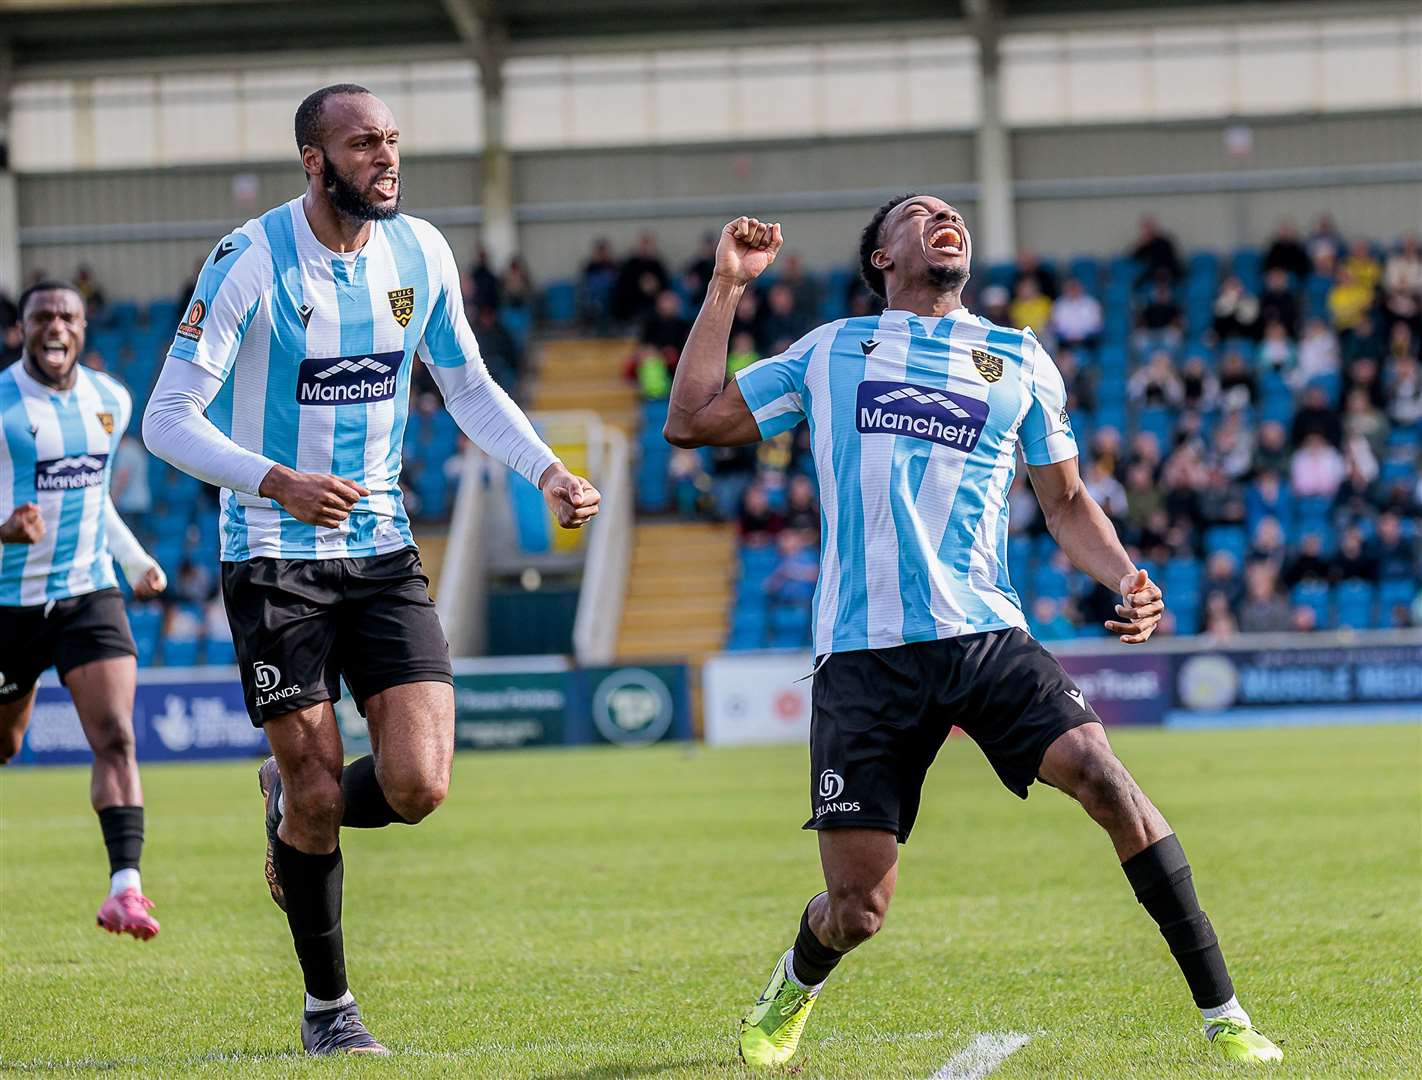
x=611, y=913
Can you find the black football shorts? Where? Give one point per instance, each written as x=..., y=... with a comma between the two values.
x=62, y=634
x=299, y=625
x=879, y=717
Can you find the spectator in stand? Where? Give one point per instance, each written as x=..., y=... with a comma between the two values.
x=742, y=353
x=1277, y=303
x=1233, y=447
x=1268, y=544
x=1105, y=489
x=1239, y=387
x=1402, y=316
x=1316, y=416
x=1362, y=341
x=1403, y=272
x=1029, y=265
x=697, y=275
x=1236, y=312
x=757, y=522
x=1143, y=498
x=1222, y=576
x=1395, y=554
x=1357, y=498
x=802, y=509
x=194, y=582
x=517, y=285
x=1264, y=610
x=1219, y=621
x=498, y=348
x=995, y=301
x=1155, y=253
x=1030, y=307
x=1157, y=383
x=1404, y=391
x=1305, y=620
x=665, y=328
x=747, y=316
x=641, y=277
x=1317, y=468
x=1267, y=496
x=1363, y=265
x=485, y=282
x=792, y=582
x=808, y=294
x=129, y=488
x=691, y=484
x=1318, y=353
x=94, y=300
x=1287, y=252
x=1348, y=300
x=779, y=326
x=599, y=281
x=9, y=310
x=1076, y=316
x=1271, y=451
x=1364, y=374
x=1308, y=563
x=1353, y=562
x=1145, y=450
x=1324, y=243
x=1363, y=421
x=1277, y=352
x=1160, y=320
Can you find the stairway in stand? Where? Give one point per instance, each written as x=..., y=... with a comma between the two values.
x=587, y=373
x=678, y=592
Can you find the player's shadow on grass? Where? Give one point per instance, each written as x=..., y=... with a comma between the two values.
x=614, y=1071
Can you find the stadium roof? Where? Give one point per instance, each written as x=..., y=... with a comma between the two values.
x=72, y=35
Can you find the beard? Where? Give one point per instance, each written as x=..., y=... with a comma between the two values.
x=948, y=278
x=350, y=200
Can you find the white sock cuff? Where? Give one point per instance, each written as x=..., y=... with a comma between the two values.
x=315, y=1004
x=790, y=973
x=127, y=878
x=1231, y=1008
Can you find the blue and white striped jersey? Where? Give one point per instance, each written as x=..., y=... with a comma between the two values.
x=915, y=424
x=315, y=349
x=58, y=451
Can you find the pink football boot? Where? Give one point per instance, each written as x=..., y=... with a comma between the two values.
x=127, y=913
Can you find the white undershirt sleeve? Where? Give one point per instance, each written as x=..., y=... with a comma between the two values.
x=176, y=430
x=490, y=418
x=125, y=548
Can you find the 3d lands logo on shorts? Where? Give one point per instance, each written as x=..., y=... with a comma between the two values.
x=831, y=784
x=265, y=678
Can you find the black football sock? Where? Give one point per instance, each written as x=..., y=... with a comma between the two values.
x=312, y=884
x=811, y=958
x=1160, y=876
x=366, y=805
x=123, y=836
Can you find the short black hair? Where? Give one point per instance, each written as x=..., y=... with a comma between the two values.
x=869, y=243
x=309, y=129
x=47, y=285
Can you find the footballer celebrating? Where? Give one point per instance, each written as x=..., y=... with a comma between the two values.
x=288, y=386
x=60, y=605
x=916, y=417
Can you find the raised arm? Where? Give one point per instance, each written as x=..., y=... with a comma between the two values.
x=705, y=410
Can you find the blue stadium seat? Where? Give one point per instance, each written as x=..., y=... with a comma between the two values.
x=1229, y=538
x=530, y=516
x=1314, y=595
x=1356, y=601
x=560, y=301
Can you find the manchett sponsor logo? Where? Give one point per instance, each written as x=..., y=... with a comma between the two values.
x=69, y=473
x=348, y=380
x=921, y=412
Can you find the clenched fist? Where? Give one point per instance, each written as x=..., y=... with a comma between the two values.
x=572, y=499
x=746, y=249
x=315, y=498
x=24, y=526
x=1140, y=609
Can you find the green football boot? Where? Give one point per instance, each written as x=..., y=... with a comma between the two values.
x=1237, y=1041
x=770, y=1032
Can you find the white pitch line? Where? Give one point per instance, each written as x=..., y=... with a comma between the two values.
x=981, y=1056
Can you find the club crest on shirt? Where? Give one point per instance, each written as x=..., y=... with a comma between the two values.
x=106, y=421
x=402, y=305
x=988, y=365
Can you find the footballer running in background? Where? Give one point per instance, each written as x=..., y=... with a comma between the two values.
x=60, y=605
x=916, y=417
x=288, y=386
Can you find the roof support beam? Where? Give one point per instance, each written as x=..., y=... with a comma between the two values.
x=996, y=207
x=487, y=42
x=9, y=186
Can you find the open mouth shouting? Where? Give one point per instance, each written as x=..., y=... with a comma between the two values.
x=947, y=239
x=387, y=186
